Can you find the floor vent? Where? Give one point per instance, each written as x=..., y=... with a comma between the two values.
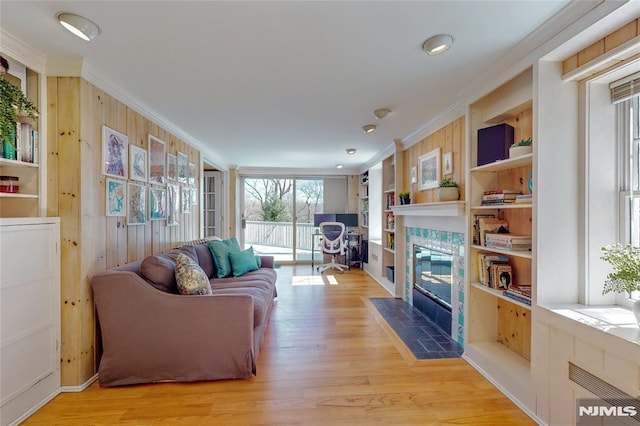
x=602, y=389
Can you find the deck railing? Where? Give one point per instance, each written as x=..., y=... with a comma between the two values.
x=279, y=234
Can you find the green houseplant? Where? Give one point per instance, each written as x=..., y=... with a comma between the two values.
x=625, y=260
x=405, y=197
x=520, y=148
x=448, y=190
x=13, y=105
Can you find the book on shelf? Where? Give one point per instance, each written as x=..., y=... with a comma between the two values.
x=493, y=226
x=476, y=226
x=517, y=297
x=485, y=264
x=524, y=199
x=499, y=197
x=501, y=191
x=501, y=275
x=520, y=290
x=508, y=241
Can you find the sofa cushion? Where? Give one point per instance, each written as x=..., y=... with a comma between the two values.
x=160, y=269
x=262, y=300
x=242, y=262
x=205, y=260
x=220, y=251
x=190, y=277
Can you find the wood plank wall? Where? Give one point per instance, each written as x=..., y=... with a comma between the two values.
x=602, y=46
x=450, y=138
x=91, y=242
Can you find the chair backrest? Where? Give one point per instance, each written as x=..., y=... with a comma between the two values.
x=332, y=237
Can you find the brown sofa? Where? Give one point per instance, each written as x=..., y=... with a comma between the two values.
x=151, y=333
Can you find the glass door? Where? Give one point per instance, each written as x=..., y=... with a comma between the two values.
x=278, y=216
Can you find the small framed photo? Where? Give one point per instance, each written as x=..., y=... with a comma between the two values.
x=186, y=199
x=137, y=163
x=414, y=174
x=447, y=163
x=429, y=170
x=156, y=161
x=137, y=204
x=172, y=167
x=183, y=171
x=194, y=196
x=157, y=204
x=116, y=198
x=114, y=153
x=192, y=174
x=173, y=204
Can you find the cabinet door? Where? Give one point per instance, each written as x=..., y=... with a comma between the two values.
x=29, y=317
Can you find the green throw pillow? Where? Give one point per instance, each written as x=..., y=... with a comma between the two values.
x=220, y=251
x=243, y=262
x=190, y=277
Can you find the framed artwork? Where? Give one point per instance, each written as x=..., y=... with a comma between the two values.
x=194, y=196
x=136, y=204
x=186, y=199
x=429, y=170
x=114, y=153
x=192, y=174
x=116, y=197
x=156, y=161
x=137, y=163
x=447, y=163
x=172, y=167
x=182, y=168
x=414, y=174
x=173, y=204
x=157, y=204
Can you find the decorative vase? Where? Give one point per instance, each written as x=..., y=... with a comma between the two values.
x=636, y=310
x=519, y=151
x=448, y=193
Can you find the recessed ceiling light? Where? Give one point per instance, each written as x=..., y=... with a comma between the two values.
x=351, y=151
x=79, y=25
x=369, y=128
x=437, y=44
x=381, y=113
x=339, y=166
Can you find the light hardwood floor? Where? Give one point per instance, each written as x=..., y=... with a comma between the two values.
x=326, y=360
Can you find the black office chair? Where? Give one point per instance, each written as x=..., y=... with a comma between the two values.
x=333, y=243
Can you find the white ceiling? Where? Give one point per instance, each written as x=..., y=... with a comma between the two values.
x=286, y=84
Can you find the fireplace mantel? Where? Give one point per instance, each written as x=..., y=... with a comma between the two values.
x=448, y=208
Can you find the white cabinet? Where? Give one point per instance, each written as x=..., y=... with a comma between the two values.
x=29, y=315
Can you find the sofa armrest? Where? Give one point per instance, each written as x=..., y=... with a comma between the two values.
x=150, y=336
x=267, y=261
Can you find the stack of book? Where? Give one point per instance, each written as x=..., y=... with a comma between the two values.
x=508, y=241
x=521, y=293
x=524, y=199
x=491, y=225
x=494, y=271
x=499, y=196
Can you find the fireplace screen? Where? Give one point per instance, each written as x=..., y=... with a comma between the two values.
x=432, y=274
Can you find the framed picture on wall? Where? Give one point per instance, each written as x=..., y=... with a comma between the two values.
x=183, y=171
x=114, y=153
x=186, y=199
x=173, y=204
x=116, y=201
x=172, y=167
x=157, y=204
x=137, y=163
x=192, y=174
x=136, y=204
x=429, y=170
x=156, y=161
x=447, y=163
x=194, y=196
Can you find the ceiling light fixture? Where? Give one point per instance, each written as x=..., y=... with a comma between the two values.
x=339, y=166
x=79, y=25
x=351, y=151
x=369, y=128
x=381, y=113
x=437, y=44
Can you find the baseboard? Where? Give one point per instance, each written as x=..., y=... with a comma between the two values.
x=35, y=408
x=506, y=393
x=81, y=387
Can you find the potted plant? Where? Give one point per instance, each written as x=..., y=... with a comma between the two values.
x=625, y=277
x=405, y=197
x=448, y=190
x=13, y=106
x=520, y=148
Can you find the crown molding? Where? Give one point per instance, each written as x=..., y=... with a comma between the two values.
x=296, y=172
x=453, y=112
x=21, y=52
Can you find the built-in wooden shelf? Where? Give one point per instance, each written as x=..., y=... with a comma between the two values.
x=498, y=294
x=448, y=208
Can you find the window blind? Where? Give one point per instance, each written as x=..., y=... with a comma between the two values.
x=625, y=88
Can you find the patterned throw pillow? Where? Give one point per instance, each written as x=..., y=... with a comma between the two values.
x=190, y=277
